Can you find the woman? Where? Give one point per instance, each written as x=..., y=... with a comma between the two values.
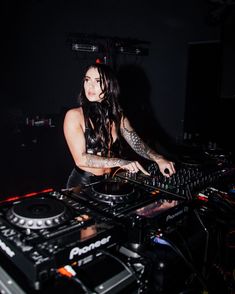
x=93, y=130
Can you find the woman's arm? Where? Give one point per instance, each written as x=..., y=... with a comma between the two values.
x=136, y=143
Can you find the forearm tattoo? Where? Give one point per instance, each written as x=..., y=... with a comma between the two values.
x=97, y=161
x=138, y=145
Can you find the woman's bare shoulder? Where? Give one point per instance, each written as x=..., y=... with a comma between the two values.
x=74, y=118
x=74, y=113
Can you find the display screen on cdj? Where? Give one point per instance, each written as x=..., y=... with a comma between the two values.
x=157, y=207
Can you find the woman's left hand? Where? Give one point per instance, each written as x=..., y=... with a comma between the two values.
x=166, y=167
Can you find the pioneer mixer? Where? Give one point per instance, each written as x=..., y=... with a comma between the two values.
x=186, y=182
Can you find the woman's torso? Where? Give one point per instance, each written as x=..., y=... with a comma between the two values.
x=93, y=145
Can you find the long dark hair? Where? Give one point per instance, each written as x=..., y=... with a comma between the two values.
x=103, y=114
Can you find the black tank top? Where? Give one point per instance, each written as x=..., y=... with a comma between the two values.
x=93, y=144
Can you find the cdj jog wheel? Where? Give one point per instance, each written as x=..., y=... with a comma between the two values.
x=113, y=191
x=38, y=213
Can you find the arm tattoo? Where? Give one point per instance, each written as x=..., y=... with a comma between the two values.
x=97, y=161
x=138, y=145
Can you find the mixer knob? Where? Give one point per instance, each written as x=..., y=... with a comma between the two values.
x=133, y=176
x=57, y=194
x=153, y=181
x=146, y=181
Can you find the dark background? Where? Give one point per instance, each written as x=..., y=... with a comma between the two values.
x=182, y=90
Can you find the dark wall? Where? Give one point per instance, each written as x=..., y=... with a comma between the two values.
x=203, y=88
x=43, y=74
x=228, y=57
x=210, y=92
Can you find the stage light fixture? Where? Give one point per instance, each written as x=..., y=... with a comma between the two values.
x=132, y=50
x=85, y=47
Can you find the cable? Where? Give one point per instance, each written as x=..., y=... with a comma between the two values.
x=166, y=242
x=117, y=259
x=206, y=231
x=68, y=272
x=84, y=288
x=185, y=244
x=207, y=238
x=116, y=171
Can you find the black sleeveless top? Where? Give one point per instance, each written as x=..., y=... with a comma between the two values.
x=93, y=145
x=97, y=113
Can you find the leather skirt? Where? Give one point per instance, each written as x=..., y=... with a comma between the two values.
x=79, y=177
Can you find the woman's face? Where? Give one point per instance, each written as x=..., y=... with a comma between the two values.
x=92, y=85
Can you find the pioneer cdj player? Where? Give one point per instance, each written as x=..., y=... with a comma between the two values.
x=133, y=207
x=42, y=233
x=117, y=196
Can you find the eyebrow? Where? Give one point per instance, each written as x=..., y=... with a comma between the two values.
x=90, y=78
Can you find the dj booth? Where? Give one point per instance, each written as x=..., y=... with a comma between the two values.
x=129, y=233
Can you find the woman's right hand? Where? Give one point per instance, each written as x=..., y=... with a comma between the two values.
x=134, y=167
